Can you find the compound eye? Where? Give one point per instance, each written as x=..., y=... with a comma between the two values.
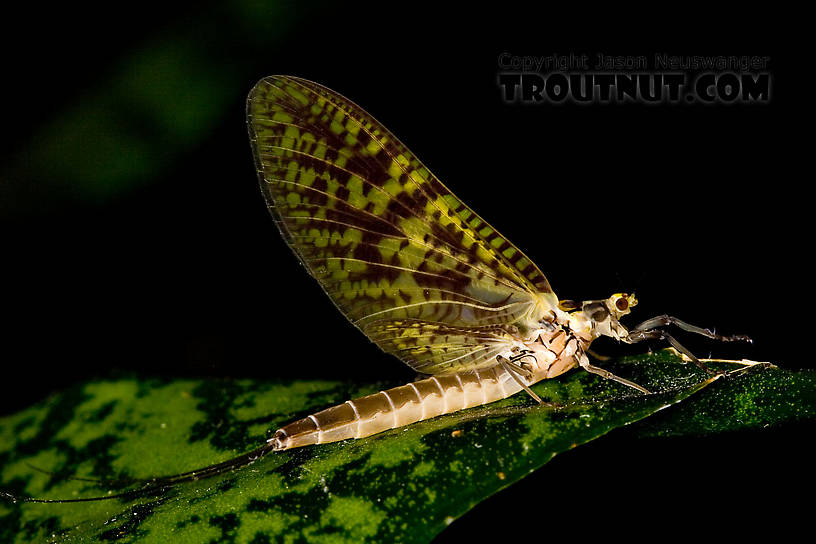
x=622, y=304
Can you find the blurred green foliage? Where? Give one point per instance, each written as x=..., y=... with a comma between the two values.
x=156, y=102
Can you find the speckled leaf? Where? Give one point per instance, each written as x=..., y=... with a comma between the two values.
x=404, y=485
x=756, y=400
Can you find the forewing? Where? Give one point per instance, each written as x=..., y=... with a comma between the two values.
x=385, y=239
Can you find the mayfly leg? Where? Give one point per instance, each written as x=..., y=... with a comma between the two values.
x=597, y=356
x=666, y=320
x=583, y=362
x=657, y=334
x=648, y=330
x=515, y=370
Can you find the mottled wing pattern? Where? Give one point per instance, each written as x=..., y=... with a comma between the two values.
x=437, y=348
x=386, y=240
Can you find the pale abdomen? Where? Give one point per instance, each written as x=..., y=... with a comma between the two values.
x=424, y=399
x=400, y=406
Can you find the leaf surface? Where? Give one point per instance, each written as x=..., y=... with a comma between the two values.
x=404, y=485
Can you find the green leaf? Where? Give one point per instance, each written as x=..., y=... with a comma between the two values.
x=756, y=401
x=403, y=485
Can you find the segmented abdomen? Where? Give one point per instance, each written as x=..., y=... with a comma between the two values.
x=399, y=406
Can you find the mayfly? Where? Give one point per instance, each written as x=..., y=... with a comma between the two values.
x=415, y=269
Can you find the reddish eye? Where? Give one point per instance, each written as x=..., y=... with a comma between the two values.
x=622, y=304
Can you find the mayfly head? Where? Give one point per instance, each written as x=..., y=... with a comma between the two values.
x=621, y=304
x=600, y=317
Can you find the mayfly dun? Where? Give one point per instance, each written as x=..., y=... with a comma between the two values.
x=416, y=270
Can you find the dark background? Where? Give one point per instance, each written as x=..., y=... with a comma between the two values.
x=135, y=238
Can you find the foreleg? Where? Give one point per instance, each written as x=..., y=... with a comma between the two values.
x=657, y=334
x=666, y=320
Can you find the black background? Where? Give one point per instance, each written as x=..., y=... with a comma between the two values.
x=701, y=210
